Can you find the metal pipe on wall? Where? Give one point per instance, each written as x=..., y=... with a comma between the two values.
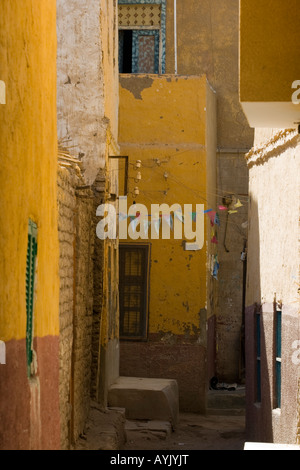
x=175, y=36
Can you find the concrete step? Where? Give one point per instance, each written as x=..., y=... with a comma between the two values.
x=146, y=399
x=223, y=402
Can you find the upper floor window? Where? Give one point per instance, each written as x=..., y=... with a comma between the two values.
x=142, y=36
x=134, y=290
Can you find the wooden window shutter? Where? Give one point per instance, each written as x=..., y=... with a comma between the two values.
x=133, y=279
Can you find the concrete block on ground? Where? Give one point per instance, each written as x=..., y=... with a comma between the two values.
x=146, y=399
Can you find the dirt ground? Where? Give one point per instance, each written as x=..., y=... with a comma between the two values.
x=193, y=432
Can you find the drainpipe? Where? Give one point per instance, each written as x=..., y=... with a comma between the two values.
x=175, y=35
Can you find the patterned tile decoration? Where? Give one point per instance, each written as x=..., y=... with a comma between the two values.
x=163, y=10
x=145, y=51
x=140, y=15
x=146, y=54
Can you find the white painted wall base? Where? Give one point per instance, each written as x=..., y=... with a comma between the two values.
x=265, y=446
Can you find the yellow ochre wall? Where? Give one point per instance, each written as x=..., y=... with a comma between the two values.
x=269, y=49
x=28, y=155
x=166, y=118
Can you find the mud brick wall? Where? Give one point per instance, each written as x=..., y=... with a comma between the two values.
x=66, y=228
x=99, y=288
x=105, y=335
x=82, y=340
x=76, y=299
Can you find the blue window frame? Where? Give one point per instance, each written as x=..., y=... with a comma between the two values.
x=130, y=40
x=278, y=341
x=258, y=357
x=137, y=67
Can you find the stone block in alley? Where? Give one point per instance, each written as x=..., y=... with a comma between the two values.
x=144, y=398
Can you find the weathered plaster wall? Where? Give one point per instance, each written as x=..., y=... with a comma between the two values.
x=87, y=80
x=80, y=81
x=110, y=45
x=176, y=136
x=29, y=409
x=277, y=210
x=263, y=136
x=273, y=276
x=173, y=113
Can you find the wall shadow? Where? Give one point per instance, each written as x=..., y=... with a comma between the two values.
x=258, y=341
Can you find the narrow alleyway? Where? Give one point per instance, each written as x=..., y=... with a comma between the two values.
x=194, y=432
x=221, y=428
x=112, y=432
x=150, y=227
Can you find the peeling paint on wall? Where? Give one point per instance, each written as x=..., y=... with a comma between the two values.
x=136, y=87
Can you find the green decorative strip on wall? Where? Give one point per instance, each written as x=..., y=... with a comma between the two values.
x=30, y=279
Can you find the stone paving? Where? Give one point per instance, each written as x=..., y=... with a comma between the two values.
x=194, y=432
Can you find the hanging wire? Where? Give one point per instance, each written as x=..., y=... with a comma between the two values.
x=216, y=193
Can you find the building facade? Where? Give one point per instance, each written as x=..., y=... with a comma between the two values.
x=29, y=292
x=272, y=301
x=164, y=283
x=272, y=313
x=185, y=42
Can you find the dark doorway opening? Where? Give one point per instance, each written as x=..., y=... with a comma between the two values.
x=125, y=51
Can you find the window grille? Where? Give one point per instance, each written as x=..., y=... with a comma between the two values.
x=142, y=36
x=133, y=279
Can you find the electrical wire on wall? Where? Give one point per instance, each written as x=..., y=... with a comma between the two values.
x=159, y=166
